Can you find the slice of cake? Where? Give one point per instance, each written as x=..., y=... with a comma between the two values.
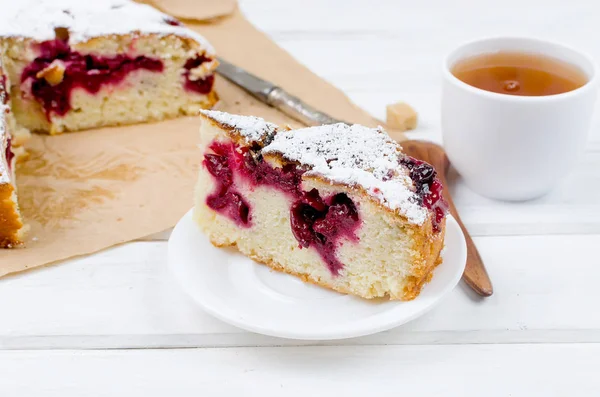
x=339, y=206
x=11, y=225
x=78, y=64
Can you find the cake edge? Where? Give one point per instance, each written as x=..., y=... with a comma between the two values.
x=12, y=229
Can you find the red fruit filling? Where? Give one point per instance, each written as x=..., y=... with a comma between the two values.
x=225, y=199
x=315, y=222
x=4, y=90
x=201, y=86
x=172, y=22
x=89, y=72
x=321, y=223
x=428, y=188
x=9, y=154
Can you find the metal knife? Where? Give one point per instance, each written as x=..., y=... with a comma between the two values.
x=272, y=95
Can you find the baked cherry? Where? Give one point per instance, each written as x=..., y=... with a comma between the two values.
x=218, y=167
x=203, y=85
x=427, y=187
x=313, y=199
x=9, y=154
x=322, y=226
x=172, y=22
x=225, y=199
x=302, y=219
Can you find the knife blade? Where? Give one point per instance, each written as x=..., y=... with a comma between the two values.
x=274, y=96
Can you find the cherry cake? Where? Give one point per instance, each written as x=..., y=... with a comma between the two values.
x=77, y=64
x=337, y=205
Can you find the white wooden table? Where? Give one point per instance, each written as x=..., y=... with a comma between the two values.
x=115, y=323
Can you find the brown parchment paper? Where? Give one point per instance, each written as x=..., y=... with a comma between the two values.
x=86, y=191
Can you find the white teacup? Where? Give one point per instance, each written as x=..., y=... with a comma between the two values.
x=515, y=147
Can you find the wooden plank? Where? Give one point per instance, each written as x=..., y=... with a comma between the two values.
x=124, y=297
x=475, y=370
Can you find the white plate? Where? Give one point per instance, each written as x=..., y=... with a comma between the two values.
x=251, y=296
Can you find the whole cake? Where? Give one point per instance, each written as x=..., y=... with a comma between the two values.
x=339, y=206
x=77, y=64
x=11, y=225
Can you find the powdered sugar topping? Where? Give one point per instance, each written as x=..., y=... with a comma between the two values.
x=252, y=129
x=87, y=19
x=354, y=155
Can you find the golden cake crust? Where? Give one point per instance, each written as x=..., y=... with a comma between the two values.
x=11, y=226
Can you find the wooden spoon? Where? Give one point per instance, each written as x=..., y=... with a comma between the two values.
x=475, y=274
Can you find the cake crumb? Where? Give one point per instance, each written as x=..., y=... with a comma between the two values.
x=401, y=116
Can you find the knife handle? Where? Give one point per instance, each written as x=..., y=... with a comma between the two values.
x=298, y=110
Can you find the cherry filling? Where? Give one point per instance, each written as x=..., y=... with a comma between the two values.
x=225, y=199
x=428, y=188
x=4, y=95
x=315, y=222
x=321, y=223
x=172, y=22
x=9, y=154
x=201, y=86
x=89, y=72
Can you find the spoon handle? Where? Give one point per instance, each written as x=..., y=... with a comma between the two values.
x=475, y=274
